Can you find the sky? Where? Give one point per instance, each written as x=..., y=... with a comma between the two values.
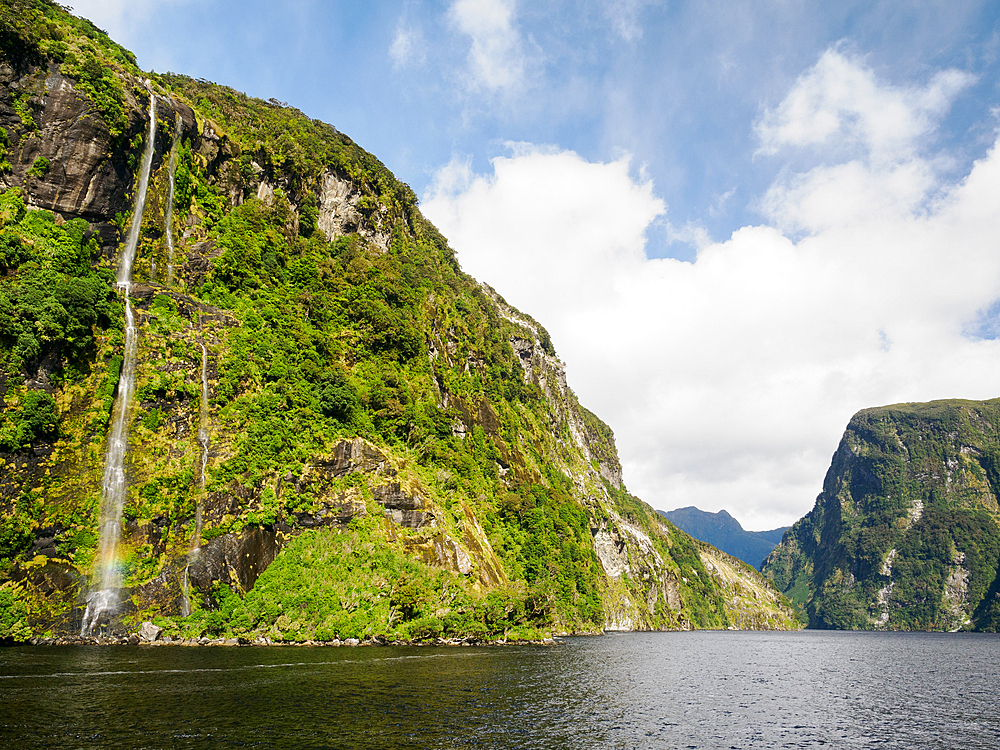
x=741, y=221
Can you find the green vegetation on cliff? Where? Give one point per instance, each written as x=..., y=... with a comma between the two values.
x=279, y=139
x=53, y=298
x=392, y=450
x=905, y=534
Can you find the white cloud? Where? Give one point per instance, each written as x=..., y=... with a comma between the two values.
x=408, y=45
x=729, y=380
x=602, y=217
x=496, y=56
x=840, y=101
x=720, y=201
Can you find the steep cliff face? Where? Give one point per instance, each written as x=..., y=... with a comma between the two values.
x=905, y=534
x=335, y=431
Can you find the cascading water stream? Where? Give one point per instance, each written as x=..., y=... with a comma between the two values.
x=168, y=223
x=103, y=596
x=203, y=442
x=128, y=256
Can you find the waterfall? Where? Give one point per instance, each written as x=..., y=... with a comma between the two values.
x=103, y=596
x=185, y=591
x=203, y=442
x=171, y=167
x=128, y=256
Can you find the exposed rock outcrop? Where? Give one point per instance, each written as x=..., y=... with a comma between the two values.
x=236, y=559
x=148, y=632
x=340, y=213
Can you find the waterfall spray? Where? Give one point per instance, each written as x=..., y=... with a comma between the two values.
x=103, y=596
x=168, y=228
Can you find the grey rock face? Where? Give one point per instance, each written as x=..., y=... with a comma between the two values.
x=332, y=514
x=148, y=632
x=402, y=509
x=450, y=555
x=83, y=179
x=338, y=200
x=339, y=214
x=230, y=557
x=356, y=455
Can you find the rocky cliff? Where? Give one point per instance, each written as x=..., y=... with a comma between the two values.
x=334, y=432
x=905, y=534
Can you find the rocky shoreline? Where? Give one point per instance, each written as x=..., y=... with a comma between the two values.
x=134, y=640
x=150, y=635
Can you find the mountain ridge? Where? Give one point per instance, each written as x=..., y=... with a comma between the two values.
x=725, y=532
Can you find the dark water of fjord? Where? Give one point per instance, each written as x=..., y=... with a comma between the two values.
x=635, y=690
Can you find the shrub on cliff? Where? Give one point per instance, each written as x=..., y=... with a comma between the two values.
x=35, y=417
x=13, y=614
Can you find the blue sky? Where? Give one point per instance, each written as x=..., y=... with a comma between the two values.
x=789, y=206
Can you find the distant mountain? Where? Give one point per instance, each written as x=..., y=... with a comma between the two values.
x=773, y=536
x=725, y=532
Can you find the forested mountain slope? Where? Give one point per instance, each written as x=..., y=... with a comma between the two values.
x=334, y=431
x=905, y=534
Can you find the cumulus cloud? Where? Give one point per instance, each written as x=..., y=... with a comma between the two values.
x=729, y=379
x=602, y=216
x=496, y=56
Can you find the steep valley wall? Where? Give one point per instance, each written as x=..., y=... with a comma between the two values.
x=905, y=534
x=393, y=451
